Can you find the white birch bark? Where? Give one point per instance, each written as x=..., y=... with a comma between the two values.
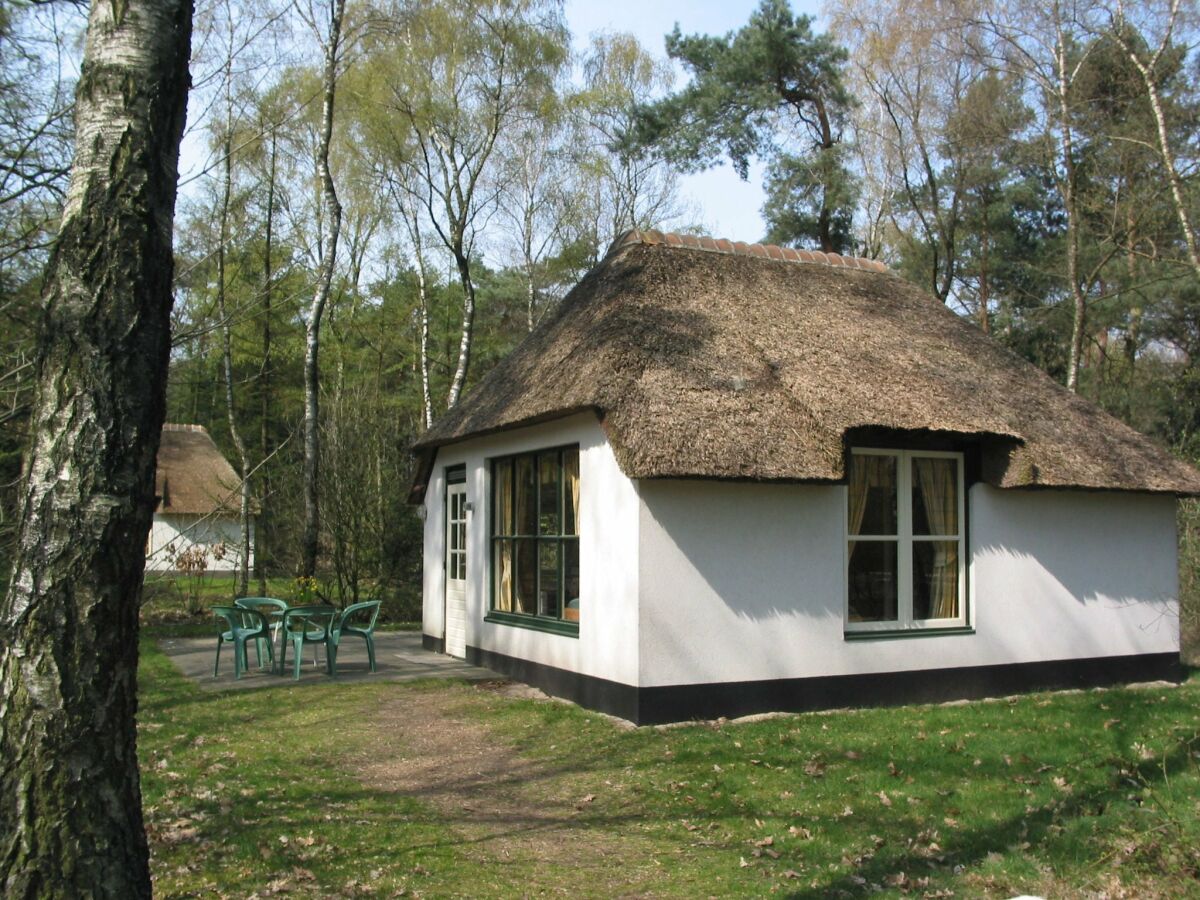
x=332, y=214
x=70, y=802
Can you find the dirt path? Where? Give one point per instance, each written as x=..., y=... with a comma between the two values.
x=524, y=821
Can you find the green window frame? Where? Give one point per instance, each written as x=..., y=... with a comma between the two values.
x=534, y=515
x=918, y=583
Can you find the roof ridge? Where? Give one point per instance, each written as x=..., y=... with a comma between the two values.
x=653, y=238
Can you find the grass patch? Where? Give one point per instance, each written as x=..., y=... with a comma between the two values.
x=1051, y=794
x=1056, y=794
x=255, y=791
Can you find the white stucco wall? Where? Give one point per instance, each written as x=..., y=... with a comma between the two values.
x=172, y=534
x=743, y=582
x=607, y=644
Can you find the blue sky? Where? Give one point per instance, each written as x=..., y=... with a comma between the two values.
x=728, y=207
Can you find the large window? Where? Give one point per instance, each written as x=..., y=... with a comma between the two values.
x=535, y=538
x=904, y=540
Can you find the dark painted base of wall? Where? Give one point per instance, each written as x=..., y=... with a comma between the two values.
x=436, y=644
x=678, y=703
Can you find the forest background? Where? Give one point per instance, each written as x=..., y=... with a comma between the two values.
x=1033, y=165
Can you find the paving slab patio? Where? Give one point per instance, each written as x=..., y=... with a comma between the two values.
x=399, y=656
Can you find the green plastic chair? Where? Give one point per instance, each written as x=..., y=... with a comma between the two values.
x=305, y=625
x=263, y=605
x=344, y=624
x=244, y=625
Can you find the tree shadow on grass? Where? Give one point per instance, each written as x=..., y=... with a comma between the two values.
x=970, y=846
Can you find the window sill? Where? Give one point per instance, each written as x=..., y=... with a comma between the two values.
x=906, y=633
x=550, y=626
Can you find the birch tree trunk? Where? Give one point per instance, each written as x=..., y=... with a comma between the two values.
x=329, y=242
x=1147, y=71
x=70, y=801
x=423, y=297
x=243, y=572
x=264, y=371
x=468, y=327
x=1067, y=189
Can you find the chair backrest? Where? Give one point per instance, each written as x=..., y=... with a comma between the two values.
x=241, y=618
x=260, y=603
x=312, y=621
x=359, y=609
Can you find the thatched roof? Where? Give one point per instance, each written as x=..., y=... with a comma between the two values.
x=705, y=359
x=192, y=477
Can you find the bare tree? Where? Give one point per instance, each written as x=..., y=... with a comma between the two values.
x=616, y=189
x=1131, y=40
x=468, y=72
x=1038, y=43
x=69, y=793
x=330, y=36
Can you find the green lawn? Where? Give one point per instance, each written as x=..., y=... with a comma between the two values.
x=1058, y=794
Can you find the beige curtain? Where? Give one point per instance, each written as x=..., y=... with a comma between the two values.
x=938, y=479
x=504, y=600
x=866, y=472
x=571, y=478
x=526, y=476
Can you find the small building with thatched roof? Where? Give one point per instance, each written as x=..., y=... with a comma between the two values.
x=726, y=478
x=196, y=520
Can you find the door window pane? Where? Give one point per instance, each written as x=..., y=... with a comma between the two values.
x=570, y=491
x=526, y=496
x=935, y=495
x=874, y=580
x=504, y=575
x=872, y=495
x=548, y=579
x=503, y=506
x=526, y=579
x=935, y=579
x=548, y=499
x=570, y=551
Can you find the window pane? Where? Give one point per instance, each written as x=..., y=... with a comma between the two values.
x=526, y=579
x=548, y=579
x=504, y=576
x=571, y=491
x=873, y=581
x=503, y=500
x=548, y=505
x=935, y=579
x=526, y=496
x=935, y=495
x=570, y=551
x=872, y=495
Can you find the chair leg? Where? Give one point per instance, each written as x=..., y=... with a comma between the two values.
x=370, y=650
x=258, y=652
x=331, y=649
x=298, y=647
x=282, y=667
x=239, y=654
x=217, y=664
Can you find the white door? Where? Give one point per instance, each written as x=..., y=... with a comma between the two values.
x=456, y=570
